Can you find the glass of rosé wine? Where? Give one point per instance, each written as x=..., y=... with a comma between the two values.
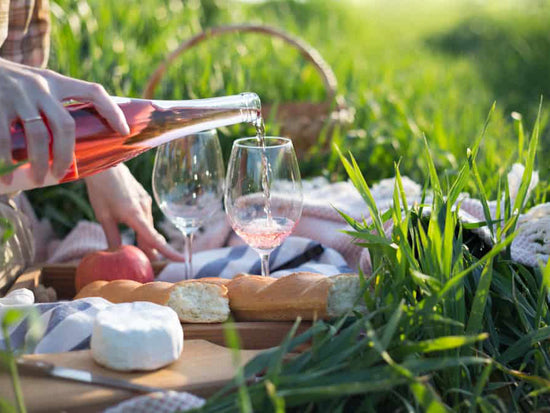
x=263, y=193
x=188, y=180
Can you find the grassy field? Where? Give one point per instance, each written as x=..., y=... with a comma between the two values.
x=408, y=68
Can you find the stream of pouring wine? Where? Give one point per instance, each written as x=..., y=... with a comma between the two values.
x=266, y=169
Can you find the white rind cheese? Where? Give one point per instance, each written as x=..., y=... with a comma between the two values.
x=136, y=336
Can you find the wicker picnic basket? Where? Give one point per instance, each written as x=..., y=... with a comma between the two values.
x=304, y=122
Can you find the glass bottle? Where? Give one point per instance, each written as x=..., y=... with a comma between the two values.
x=152, y=123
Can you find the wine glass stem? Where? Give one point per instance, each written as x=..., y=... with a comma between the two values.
x=265, y=264
x=188, y=254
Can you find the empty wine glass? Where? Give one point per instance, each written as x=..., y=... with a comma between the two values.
x=263, y=193
x=188, y=179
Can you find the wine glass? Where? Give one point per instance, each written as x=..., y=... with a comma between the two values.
x=263, y=193
x=188, y=179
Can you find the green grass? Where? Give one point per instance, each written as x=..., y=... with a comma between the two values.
x=449, y=325
x=407, y=68
x=445, y=328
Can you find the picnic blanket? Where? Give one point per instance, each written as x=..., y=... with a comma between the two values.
x=322, y=223
x=167, y=402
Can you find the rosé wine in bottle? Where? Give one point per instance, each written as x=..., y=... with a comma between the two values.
x=265, y=234
x=152, y=123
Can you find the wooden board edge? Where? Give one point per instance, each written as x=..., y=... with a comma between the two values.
x=60, y=277
x=29, y=279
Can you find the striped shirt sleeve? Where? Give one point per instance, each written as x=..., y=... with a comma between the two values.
x=25, y=31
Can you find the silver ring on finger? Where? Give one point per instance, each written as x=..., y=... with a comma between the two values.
x=33, y=119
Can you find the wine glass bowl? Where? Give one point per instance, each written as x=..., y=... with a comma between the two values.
x=188, y=181
x=263, y=196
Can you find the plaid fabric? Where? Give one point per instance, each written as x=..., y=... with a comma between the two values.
x=25, y=31
x=169, y=402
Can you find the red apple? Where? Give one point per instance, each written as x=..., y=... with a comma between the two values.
x=124, y=263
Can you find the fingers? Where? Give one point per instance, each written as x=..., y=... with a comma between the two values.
x=150, y=238
x=112, y=233
x=5, y=149
x=167, y=250
x=62, y=126
x=37, y=137
x=160, y=245
x=33, y=111
x=107, y=108
x=116, y=196
x=151, y=252
x=68, y=88
x=31, y=100
x=146, y=204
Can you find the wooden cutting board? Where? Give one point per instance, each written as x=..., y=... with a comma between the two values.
x=202, y=369
x=253, y=334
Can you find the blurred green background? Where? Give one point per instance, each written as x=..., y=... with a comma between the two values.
x=406, y=67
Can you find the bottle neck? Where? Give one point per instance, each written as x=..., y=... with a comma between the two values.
x=172, y=119
x=248, y=103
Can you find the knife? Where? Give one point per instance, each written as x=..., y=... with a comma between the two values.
x=43, y=368
x=307, y=255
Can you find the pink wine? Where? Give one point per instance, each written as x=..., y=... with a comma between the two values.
x=152, y=123
x=265, y=234
x=266, y=171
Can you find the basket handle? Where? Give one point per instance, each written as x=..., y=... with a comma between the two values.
x=308, y=52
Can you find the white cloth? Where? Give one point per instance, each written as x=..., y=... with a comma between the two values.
x=168, y=402
x=18, y=297
x=66, y=326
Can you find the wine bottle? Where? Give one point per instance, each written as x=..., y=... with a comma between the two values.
x=152, y=123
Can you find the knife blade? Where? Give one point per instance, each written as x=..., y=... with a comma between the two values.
x=43, y=368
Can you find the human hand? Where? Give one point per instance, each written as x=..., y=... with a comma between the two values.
x=36, y=95
x=117, y=197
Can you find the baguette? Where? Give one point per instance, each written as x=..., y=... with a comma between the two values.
x=251, y=297
x=194, y=301
x=307, y=295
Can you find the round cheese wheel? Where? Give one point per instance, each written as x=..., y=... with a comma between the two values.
x=136, y=336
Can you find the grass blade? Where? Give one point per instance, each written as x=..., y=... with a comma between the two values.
x=434, y=180
x=359, y=182
x=523, y=345
x=530, y=165
x=475, y=321
x=439, y=344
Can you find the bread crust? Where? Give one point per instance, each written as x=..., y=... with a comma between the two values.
x=303, y=294
x=251, y=297
x=117, y=291
x=158, y=292
x=210, y=280
x=126, y=291
x=90, y=290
